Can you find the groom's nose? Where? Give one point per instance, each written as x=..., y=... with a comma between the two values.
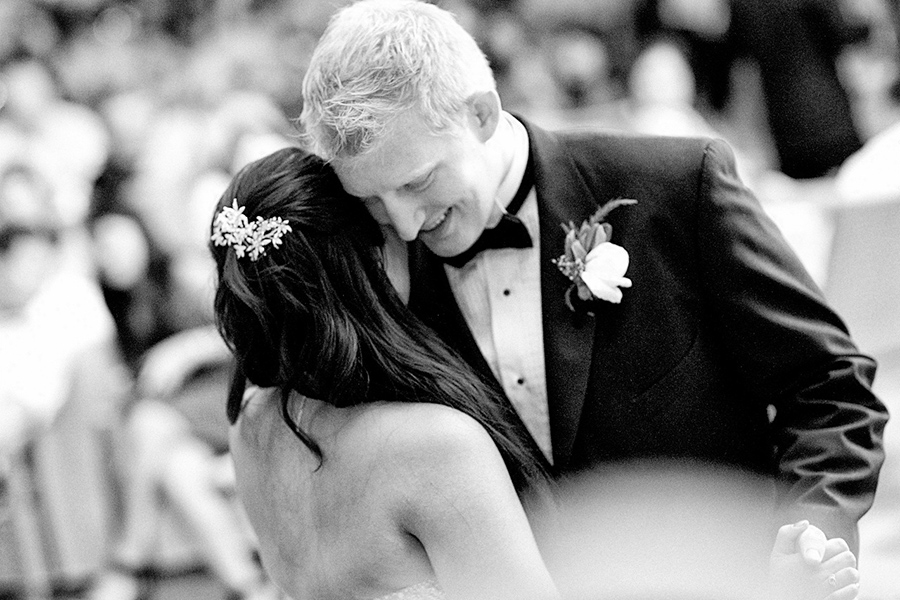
x=406, y=216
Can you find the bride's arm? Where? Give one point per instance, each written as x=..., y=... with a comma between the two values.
x=463, y=509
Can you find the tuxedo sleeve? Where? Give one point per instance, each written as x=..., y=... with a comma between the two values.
x=785, y=344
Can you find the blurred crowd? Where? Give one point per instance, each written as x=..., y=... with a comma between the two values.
x=121, y=122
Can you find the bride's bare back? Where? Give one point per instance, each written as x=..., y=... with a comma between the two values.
x=405, y=493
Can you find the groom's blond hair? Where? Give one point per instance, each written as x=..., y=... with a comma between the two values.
x=379, y=59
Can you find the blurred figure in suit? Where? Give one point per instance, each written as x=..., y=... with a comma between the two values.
x=795, y=44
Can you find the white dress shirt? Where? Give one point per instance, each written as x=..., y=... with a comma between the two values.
x=499, y=294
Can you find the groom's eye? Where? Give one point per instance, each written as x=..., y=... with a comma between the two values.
x=421, y=183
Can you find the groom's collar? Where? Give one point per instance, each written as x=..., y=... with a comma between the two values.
x=519, y=147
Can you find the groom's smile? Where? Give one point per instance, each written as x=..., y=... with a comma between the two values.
x=433, y=224
x=435, y=187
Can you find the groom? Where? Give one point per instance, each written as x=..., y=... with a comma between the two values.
x=671, y=340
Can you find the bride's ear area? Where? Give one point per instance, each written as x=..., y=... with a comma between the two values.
x=484, y=114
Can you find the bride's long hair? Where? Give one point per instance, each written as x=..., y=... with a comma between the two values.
x=318, y=315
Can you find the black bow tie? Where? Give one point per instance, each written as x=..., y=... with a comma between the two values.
x=510, y=232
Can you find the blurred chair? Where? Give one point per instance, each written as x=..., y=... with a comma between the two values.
x=59, y=496
x=20, y=512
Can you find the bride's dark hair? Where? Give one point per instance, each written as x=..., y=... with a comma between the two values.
x=319, y=316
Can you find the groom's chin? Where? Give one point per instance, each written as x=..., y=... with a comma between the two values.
x=453, y=242
x=447, y=250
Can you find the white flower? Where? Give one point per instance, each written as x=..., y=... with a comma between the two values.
x=604, y=271
x=595, y=266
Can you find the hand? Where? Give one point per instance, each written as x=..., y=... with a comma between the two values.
x=806, y=565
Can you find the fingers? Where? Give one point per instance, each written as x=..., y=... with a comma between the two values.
x=848, y=593
x=811, y=545
x=841, y=563
x=834, y=547
x=802, y=538
x=845, y=584
x=788, y=535
x=845, y=577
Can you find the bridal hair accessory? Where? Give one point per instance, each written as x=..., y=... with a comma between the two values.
x=231, y=227
x=595, y=266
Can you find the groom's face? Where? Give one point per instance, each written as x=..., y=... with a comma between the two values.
x=439, y=188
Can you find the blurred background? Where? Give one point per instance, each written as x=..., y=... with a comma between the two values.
x=121, y=122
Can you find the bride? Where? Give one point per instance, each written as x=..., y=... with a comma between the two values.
x=398, y=475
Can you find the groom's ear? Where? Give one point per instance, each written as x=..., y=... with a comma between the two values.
x=484, y=114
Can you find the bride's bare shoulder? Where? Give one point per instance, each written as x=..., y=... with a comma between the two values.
x=412, y=437
x=419, y=428
x=420, y=450
x=259, y=423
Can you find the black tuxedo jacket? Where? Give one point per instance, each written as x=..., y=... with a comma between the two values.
x=722, y=321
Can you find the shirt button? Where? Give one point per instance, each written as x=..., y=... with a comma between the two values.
x=520, y=381
x=506, y=292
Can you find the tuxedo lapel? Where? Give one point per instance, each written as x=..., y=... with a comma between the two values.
x=569, y=337
x=432, y=300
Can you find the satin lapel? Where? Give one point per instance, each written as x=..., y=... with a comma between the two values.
x=432, y=300
x=569, y=338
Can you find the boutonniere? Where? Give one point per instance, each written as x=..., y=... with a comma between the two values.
x=595, y=266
